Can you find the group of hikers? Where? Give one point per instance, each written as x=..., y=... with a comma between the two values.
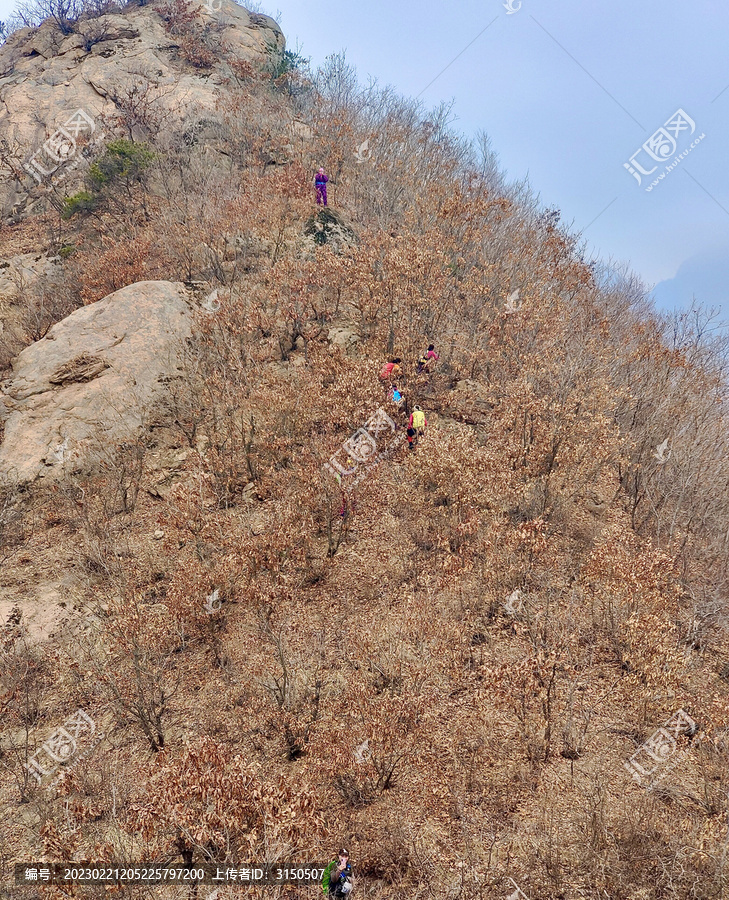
x=392, y=370
x=392, y=374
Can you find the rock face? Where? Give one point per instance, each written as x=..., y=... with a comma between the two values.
x=111, y=63
x=18, y=273
x=91, y=382
x=326, y=227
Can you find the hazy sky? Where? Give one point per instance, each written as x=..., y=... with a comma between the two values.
x=569, y=92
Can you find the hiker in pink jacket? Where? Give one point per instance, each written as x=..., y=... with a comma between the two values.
x=425, y=359
x=320, y=183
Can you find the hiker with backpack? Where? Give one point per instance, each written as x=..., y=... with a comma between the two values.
x=391, y=370
x=320, y=183
x=426, y=358
x=417, y=421
x=337, y=879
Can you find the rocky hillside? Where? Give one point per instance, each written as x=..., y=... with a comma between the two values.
x=241, y=619
x=141, y=65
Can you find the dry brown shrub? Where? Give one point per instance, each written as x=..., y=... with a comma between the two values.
x=122, y=261
x=197, y=52
x=178, y=16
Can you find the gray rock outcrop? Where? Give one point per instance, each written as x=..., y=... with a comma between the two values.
x=92, y=382
x=132, y=69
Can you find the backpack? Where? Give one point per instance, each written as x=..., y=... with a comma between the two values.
x=418, y=419
x=345, y=885
x=344, y=888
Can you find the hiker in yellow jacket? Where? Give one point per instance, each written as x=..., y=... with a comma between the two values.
x=417, y=421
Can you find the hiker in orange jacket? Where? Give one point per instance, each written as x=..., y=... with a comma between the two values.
x=392, y=370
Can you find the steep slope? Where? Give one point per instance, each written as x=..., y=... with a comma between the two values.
x=497, y=659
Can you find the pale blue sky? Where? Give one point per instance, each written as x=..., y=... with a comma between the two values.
x=568, y=92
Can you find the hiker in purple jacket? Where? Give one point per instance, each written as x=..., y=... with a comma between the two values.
x=320, y=182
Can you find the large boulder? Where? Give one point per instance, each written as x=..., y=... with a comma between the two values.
x=111, y=65
x=92, y=382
